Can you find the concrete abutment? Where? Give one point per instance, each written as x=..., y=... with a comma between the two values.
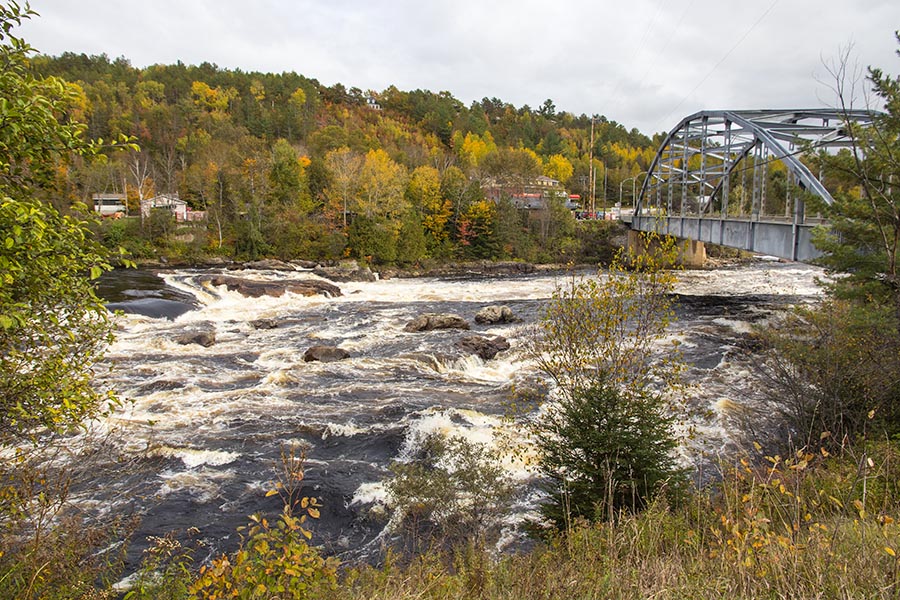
x=691, y=253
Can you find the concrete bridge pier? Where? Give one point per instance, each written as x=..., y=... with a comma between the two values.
x=691, y=253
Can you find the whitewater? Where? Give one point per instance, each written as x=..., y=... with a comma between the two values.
x=201, y=428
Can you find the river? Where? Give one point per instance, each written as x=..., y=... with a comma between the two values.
x=201, y=427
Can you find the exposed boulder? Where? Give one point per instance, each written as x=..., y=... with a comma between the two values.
x=264, y=323
x=346, y=270
x=495, y=314
x=430, y=321
x=325, y=354
x=202, y=338
x=485, y=348
x=276, y=289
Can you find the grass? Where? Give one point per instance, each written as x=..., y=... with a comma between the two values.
x=802, y=527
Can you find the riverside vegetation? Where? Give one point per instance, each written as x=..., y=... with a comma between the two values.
x=812, y=514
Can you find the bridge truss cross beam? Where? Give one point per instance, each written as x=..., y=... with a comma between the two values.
x=742, y=168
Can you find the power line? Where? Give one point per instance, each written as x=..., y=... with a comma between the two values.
x=718, y=64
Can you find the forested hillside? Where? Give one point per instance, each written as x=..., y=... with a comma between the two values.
x=284, y=166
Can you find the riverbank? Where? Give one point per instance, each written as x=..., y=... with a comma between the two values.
x=351, y=270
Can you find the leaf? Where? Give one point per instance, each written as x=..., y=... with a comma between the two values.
x=890, y=551
x=313, y=512
x=271, y=493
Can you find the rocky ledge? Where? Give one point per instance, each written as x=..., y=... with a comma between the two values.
x=276, y=289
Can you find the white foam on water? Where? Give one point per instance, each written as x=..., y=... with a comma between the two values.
x=734, y=324
x=757, y=277
x=370, y=493
x=500, y=435
x=349, y=429
x=473, y=368
x=194, y=457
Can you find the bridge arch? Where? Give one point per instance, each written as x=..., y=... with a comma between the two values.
x=725, y=165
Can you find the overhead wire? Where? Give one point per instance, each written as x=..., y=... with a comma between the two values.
x=719, y=63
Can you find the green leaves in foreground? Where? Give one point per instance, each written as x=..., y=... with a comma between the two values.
x=53, y=328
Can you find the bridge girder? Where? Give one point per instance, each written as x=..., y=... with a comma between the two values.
x=723, y=139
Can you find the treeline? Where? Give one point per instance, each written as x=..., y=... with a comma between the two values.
x=285, y=166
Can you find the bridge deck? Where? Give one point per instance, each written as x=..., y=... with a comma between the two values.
x=784, y=239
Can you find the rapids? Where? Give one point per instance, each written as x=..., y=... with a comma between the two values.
x=201, y=427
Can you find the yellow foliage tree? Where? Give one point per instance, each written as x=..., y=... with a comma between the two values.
x=424, y=192
x=559, y=167
x=382, y=186
x=473, y=148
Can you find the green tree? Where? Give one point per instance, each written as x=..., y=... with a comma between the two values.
x=373, y=239
x=411, y=245
x=863, y=238
x=53, y=328
x=606, y=441
x=287, y=185
x=833, y=370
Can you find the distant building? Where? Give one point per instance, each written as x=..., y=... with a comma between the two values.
x=109, y=205
x=533, y=194
x=372, y=102
x=171, y=202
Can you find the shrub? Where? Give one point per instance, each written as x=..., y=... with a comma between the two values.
x=832, y=374
x=453, y=492
x=274, y=559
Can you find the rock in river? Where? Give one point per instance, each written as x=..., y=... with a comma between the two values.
x=485, y=348
x=429, y=321
x=325, y=354
x=203, y=338
x=495, y=314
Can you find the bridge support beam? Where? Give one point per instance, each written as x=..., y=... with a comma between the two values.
x=691, y=253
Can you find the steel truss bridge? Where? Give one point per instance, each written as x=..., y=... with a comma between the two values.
x=735, y=178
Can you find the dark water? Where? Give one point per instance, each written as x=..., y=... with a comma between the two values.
x=139, y=292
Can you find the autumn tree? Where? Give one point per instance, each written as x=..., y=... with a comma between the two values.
x=52, y=326
x=434, y=210
x=344, y=167
x=559, y=167
x=382, y=186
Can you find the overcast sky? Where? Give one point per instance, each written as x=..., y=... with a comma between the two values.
x=643, y=63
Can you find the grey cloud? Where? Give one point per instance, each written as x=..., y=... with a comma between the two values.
x=643, y=63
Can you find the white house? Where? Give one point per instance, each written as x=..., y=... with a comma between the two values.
x=170, y=202
x=109, y=204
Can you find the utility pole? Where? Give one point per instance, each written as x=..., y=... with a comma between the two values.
x=605, y=181
x=591, y=167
